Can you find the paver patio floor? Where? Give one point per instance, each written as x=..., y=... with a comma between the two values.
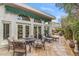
x=56, y=48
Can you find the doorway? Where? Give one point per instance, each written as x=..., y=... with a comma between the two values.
x=6, y=30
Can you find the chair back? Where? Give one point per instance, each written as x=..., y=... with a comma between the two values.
x=19, y=45
x=10, y=40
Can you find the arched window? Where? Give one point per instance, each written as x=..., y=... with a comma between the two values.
x=26, y=18
x=37, y=20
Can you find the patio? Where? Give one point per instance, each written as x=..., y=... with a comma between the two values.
x=56, y=48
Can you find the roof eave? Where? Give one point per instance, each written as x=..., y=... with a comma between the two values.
x=23, y=7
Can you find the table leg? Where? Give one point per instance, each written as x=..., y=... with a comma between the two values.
x=30, y=47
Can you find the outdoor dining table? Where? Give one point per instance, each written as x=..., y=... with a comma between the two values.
x=55, y=37
x=49, y=39
x=29, y=42
x=38, y=43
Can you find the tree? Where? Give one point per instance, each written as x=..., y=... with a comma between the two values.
x=70, y=8
x=70, y=24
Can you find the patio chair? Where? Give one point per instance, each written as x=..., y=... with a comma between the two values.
x=10, y=41
x=19, y=47
x=39, y=44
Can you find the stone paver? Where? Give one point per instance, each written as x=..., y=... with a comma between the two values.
x=62, y=48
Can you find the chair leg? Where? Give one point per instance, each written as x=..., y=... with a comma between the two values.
x=29, y=48
x=25, y=53
x=8, y=48
x=13, y=53
x=43, y=47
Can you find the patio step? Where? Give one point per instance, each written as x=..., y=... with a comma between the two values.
x=3, y=44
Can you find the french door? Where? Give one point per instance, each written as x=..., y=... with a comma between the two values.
x=20, y=31
x=37, y=31
x=23, y=31
x=6, y=30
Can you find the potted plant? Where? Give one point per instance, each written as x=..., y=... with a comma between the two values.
x=72, y=44
x=76, y=34
x=77, y=38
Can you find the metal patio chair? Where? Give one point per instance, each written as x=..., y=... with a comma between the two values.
x=19, y=47
x=39, y=44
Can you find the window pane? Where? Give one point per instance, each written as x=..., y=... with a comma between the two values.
x=35, y=32
x=26, y=18
x=20, y=31
x=39, y=33
x=46, y=31
x=36, y=20
x=27, y=31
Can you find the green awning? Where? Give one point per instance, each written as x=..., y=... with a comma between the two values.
x=23, y=12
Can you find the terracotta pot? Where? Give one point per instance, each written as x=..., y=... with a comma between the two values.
x=72, y=44
x=78, y=45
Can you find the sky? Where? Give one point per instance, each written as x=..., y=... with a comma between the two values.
x=50, y=9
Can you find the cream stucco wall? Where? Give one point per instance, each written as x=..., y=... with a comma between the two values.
x=2, y=14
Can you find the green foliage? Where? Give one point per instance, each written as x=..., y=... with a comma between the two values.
x=66, y=6
x=68, y=33
x=76, y=31
x=69, y=25
x=59, y=29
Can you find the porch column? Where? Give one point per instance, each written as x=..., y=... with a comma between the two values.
x=1, y=31
x=42, y=28
x=2, y=17
x=13, y=30
x=31, y=33
x=24, y=30
x=1, y=35
x=50, y=28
